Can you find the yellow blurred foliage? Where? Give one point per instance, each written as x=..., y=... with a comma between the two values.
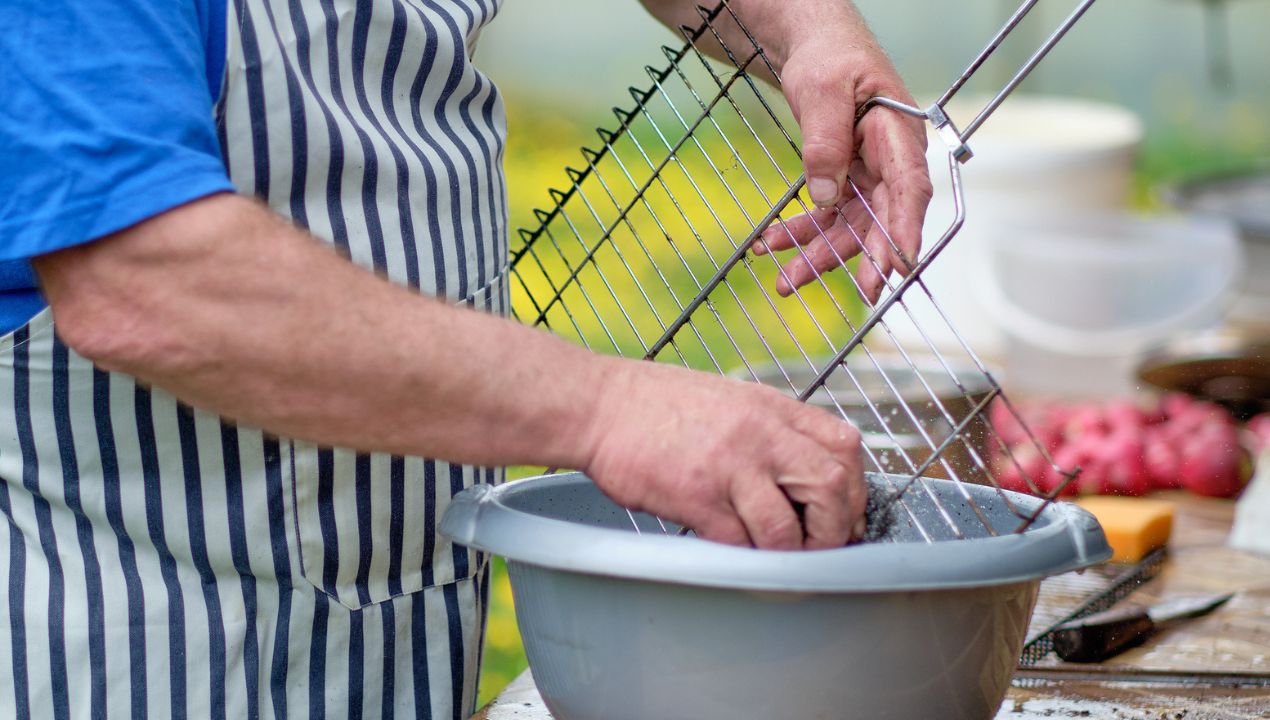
x=664, y=240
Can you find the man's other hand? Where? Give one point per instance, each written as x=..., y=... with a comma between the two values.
x=727, y=459
x=830, y=65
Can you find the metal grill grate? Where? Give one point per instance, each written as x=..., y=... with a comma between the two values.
x=1109, y=592
x=647, y=253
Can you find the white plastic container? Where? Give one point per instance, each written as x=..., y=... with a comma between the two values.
x=1037, y=156
x=1080, y=299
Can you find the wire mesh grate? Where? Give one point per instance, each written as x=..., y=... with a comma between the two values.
x=647, y=253
x=1109, y=593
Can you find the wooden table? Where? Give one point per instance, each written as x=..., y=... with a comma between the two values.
x=1212, y=668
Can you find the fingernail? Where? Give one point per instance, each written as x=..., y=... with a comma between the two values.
x=759, y=247
x=824, y=191
x=782, y=286
x=861, y=527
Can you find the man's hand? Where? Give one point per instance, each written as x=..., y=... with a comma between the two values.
x=830, y=65
x=727, y=459
x=886, y=158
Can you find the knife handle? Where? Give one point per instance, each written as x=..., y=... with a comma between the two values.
x=1102, y=635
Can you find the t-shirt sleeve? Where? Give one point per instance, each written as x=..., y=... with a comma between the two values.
x=105, y=119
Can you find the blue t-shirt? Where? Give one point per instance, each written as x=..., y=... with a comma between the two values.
x=105, y=120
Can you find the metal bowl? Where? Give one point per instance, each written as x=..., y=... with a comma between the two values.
x=1242, y=197
x=892, y=402
x=625, y=626
x=1225, y=367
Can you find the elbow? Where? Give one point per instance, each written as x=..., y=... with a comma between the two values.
x=119, y=317
x=124, y=338
x=129, y=302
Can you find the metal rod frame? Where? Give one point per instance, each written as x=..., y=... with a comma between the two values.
x=648, y=253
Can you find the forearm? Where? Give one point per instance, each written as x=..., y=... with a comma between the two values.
x=778, y=26
x=233, y=310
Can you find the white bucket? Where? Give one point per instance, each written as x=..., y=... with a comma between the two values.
x=1036, y=156
x=1080, y=299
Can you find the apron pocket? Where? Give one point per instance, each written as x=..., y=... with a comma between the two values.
x=366, y=524
x=493, y=296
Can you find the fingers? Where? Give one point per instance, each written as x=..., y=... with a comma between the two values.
x=798, y=230
x=834, y=494
x=831, y=432
x=857, y=488
x=768, y=516
x=894, y=150
x=826, y=513
x=817, y=464
x=894, y=153
x=825, y=254
x=890, y=171
x=874, y=269
x=723, y=526
x=730, y=460
x=822, y=96
x=828, y=238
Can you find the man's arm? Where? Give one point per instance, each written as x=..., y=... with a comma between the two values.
x=830, y=64
x=231, y=309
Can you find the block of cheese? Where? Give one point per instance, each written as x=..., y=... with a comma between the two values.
x=1134, y=526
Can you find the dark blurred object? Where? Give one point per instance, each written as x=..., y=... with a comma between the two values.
x=1227, y=368
x=1217, y=43
x=1242, y=198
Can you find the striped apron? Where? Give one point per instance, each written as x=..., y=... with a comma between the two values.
x=157, y=561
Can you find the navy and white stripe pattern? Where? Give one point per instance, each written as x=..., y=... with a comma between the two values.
x=156, y=561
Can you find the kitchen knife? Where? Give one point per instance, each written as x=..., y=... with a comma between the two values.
x=1106, y=634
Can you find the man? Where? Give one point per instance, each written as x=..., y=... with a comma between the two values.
x=179, y=537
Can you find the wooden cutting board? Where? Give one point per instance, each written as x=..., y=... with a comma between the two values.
x=1234, y=639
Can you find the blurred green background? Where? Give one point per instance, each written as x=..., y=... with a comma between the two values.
x=1197, y=77
x=504, y=656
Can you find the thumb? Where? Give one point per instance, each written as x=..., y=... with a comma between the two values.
x=821, y=90
x=828, y=150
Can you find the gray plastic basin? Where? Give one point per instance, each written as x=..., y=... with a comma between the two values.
x=625, y=626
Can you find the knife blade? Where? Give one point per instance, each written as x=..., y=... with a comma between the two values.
x=1107, y=634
